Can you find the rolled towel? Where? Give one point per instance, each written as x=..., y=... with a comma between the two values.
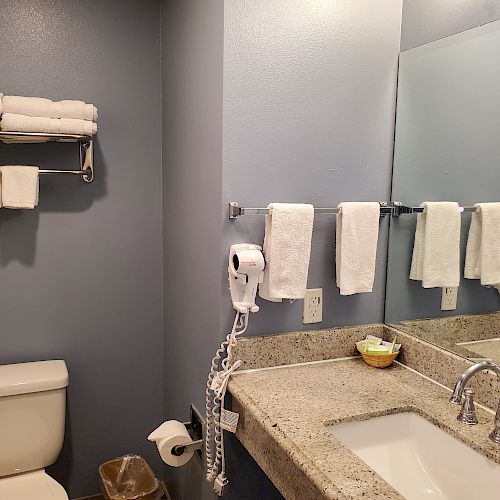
x=19, y=186
x=39, y=106
x=356, y=246
x=287, y=249
x=436, y=251
x=482, y=259
x=21, y=123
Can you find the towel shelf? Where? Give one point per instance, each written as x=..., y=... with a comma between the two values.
x=394, y=209
x=85, y=142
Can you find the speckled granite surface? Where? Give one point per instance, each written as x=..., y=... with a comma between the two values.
x=445, y=367
x=284, y=411
x=302, y=347
x=315, y=345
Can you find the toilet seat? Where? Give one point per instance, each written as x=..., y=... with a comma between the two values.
x=31, y=485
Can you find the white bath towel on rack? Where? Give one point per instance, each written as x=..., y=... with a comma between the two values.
x=436, y=250
x=21, y=123
x=41, y=107
x=356, y=246
x=19, y=185
x=287, y=249
x=482, y=259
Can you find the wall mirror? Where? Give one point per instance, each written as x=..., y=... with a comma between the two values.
x=447, y=148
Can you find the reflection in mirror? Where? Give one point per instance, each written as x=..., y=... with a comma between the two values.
x=447, y=148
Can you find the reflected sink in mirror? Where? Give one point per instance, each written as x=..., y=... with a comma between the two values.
x=420, y=460
x=474, y=336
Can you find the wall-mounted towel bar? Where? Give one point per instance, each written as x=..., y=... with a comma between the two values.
x=399, y=209
x=236, y=211
x=85, y=142
x=395, y=209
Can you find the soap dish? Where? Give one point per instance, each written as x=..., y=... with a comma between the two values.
x=379, y=360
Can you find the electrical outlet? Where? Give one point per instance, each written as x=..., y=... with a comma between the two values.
x=449, y=298
x=313, y=306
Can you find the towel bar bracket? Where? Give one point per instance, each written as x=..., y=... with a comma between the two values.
x=87, y=160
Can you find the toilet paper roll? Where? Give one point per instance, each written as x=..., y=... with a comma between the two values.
x=174, y=433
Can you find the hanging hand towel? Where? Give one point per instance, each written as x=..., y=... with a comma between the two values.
x=19, y=186
x=41, y=107
x=482, y=259
x=22, y=123
x=287, y=249
x=356, y=246
x=436, y=251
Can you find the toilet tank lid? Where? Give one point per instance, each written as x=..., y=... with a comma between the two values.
x=39, y=376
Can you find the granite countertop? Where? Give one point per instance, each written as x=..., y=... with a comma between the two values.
x=284, y=411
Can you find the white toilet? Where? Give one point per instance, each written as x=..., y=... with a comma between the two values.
x=32, y=414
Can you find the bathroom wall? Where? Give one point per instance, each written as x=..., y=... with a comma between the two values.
x=309, y=100
x=192, y=55
x=80, y=278
x=425, y=21
x=264, y=101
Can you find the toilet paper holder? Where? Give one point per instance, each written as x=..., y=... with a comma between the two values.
x=195, y=426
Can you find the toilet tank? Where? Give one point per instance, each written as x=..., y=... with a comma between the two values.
x=32, y=414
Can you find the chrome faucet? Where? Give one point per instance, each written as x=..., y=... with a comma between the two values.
x=467, y=413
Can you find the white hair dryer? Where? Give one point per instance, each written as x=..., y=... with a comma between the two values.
x=246, y=271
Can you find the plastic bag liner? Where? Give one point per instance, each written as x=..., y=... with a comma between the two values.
x=129, y=478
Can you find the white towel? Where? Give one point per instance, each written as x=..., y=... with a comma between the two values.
x=39, y=106
x=19, y=186
x=287, y=249
x=21, y=123
x=436, y=251
x=356, y=246
x=482, y=259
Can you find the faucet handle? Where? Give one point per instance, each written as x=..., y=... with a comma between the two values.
x=467, y=413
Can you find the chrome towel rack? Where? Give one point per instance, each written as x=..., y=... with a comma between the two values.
x=394, y=209
x=86, y=144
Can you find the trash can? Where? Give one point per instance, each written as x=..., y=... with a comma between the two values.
x=129, y=478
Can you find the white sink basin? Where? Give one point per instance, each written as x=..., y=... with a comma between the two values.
x=419, y=460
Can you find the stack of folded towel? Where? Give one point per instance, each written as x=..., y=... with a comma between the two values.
x=18, y=186
x=483, y=251
x=287, y=248
x=436, y=251
x=39, y=115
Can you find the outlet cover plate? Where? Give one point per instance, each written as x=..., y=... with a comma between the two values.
x=313, y=306
x=449, y=298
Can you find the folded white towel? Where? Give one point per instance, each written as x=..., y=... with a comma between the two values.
x=436, y=251
x=482, y=259
x=356, y=246
x=19, y=186
x=287, y=249
x=21, y=123
x=39, y=106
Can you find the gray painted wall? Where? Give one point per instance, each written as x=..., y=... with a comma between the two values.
x=81, y=276
x=446, y=149
x=192, y=157
x=279, y=110
x=425, y=21
x=309, y=97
